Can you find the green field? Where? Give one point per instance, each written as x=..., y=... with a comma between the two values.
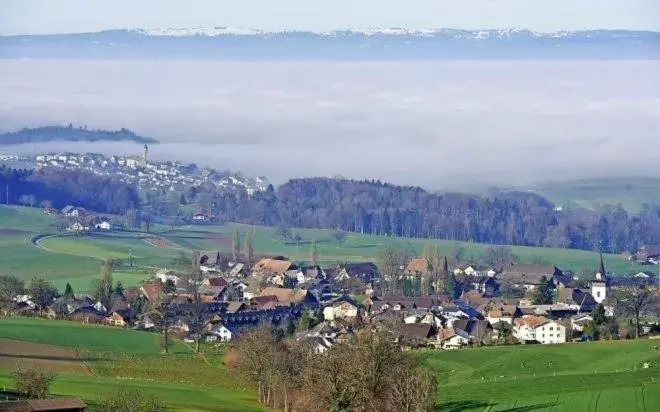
x=119, y=357
x=77, y=259
x=600, y=376
x=631, y=193
x=82, y=336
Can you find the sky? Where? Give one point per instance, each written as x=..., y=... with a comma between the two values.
x=71, y=16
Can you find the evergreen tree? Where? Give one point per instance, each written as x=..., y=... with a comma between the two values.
x=248, y=249
x=304, y=322
x=313, y=254
x=599, y=315
x=169, y=286
x=544, y=292
x=104, y=289
x=417, y=286
x=290, y=328
x=119, y=290
x=68, y=291
x=451, y=286
x=235, y=245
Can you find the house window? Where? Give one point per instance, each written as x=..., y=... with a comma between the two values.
x=551, y=328
x=598, y=294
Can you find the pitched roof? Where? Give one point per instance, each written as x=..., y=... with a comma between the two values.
x=152, y=290
x=528, y=274
x=233, y=307
x=446, y=333
x=531, y=321
x=263, y=299
x=416, y=330
x=217, y=281
x=272, y=266
x=284, y=295
x=417, y=265
x=648, y=251
x=360, y=269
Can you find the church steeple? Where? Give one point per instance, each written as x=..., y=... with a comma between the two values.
x=601, y=274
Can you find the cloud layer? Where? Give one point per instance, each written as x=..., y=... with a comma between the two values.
x=434, y=124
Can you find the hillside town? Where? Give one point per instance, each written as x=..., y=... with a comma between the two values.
x=141, y=171
x=442, y=306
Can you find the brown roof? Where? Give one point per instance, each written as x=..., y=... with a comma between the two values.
x=152, y=290
x=234, y=307
x=474, y=298
x=417, y=265
x=284, y=295
x=130, y=293
x=262, y=300
x=217, y=281
x=531, y=321
x=446, y=333
x=271, y=266
x=416, y=330
x=495, y=314
x=528, y=274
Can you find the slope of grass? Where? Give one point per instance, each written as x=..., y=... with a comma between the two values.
x=359, y=247
x=558, y=377
x=82, y=336
x=631, y=192
x=180, y=397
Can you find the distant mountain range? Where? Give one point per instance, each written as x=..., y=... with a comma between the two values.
x=223, y=43
x=70, y=133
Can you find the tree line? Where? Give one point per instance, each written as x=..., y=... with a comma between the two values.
x=59, y=188
x=373, y=207
x=370, y=373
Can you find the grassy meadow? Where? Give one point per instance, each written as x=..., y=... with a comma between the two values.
x=111, y=358
x=598, y=376
x=77, y=259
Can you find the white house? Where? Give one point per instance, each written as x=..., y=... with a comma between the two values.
x=539, y=329
x=104, y=225
x=343, y=308
x=220, y=333
x=164, y=275
x=578, y=321
x=450, y=338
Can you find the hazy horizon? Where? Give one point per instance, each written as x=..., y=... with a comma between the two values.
x=437, y=125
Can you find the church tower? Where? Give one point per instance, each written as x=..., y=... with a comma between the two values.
x=600, y=287
x=146, y=152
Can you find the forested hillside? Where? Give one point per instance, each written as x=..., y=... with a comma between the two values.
x=70, y=133
x=515, y=218
x=62, y=187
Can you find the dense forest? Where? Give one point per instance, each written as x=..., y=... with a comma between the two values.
x=59, y=188
x=70, y=133
x=515, y=218
x=373, y=207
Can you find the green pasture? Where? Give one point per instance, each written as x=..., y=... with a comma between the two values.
x=77, y=259
x=360, y=247
x=122, y=357
x=83, y=336
x=179, y=397
x=571, y=377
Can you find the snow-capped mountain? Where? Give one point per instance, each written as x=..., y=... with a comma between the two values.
x=226, y=43
x=389, y=31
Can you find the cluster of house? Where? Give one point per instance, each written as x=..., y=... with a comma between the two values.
x=81, y=220
x=277, y=292
x=147, y=174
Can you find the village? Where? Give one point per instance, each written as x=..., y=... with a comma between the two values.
x=221, y=297
x=145, y=173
